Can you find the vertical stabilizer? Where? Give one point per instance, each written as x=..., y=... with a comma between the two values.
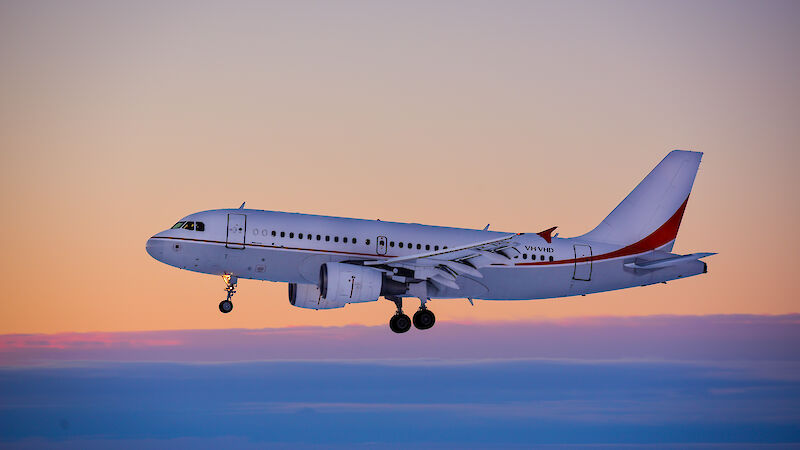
x=654, y=207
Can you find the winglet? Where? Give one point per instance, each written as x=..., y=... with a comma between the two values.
x=486, y=228
x=547, y=234
x=242, y=205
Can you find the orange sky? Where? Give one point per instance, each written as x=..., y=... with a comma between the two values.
x=117, y=119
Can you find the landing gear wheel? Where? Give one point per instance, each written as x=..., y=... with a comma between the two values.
x=226, y=306
x=424, y=319
x=400, y=323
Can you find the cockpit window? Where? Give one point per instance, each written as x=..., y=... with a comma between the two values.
x=192, y=226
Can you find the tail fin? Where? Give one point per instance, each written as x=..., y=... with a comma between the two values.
x=652, y=212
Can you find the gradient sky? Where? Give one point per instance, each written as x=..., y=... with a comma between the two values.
x=118, y=118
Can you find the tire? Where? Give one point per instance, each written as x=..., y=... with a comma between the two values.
x=424, y=319
x=225, y=306
x=400, y=323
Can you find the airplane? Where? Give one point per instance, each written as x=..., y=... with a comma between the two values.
x=330, y=262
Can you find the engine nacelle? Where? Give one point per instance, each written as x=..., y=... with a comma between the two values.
x=341, y=283
x=308, y=296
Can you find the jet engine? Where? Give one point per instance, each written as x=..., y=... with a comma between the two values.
x=341, y=283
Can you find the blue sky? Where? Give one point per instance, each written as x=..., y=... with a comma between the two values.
x=654, y=387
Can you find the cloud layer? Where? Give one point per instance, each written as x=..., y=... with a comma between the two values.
x=702, y=338
x=650, y=380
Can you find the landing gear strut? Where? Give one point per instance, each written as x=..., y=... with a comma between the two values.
x=226, y=305
x=399, y=323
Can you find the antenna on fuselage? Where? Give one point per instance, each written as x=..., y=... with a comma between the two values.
x=242, y=205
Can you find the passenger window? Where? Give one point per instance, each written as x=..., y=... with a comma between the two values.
x=524, y=256
x=300, y=236
x=283, y=233
x=354, y=240
x=400, y=244
x=427, y=246
x=319, y=237
x=291, y=235
x=436, y=247
x=309, y=237
x=541, y=257
x=366, y=242
x=336, y=239
x=533, y=257
x=444, y=248
x=551, y=258
x=199, y=226
x=178, y=225
x=410, y=245
x=344, y=239
x=391, y=244
x=327, y=238
x=419, y=246
x=273, y=232
x=188, y=226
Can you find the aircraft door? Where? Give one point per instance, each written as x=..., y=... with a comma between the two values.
x=237, y=230
x=583, y=262
x=381, y=245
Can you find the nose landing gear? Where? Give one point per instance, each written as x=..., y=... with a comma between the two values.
x=226, y=305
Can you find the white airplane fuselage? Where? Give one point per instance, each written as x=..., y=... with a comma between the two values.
x=332, y=261
x=255, y=254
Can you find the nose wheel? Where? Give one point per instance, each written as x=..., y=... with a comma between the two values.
x=226, y=305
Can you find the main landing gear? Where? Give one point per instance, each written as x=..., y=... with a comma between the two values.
x=400, y=323
x=226, y=305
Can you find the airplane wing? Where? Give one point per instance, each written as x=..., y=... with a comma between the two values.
x=443, y=266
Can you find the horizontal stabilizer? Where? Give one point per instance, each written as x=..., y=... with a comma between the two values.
x=666, y=262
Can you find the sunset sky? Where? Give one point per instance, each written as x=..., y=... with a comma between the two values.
x=117, y=118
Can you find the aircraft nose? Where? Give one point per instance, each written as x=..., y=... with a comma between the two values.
x=155, y=248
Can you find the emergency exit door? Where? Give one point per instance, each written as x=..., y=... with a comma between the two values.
x=381, y=245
